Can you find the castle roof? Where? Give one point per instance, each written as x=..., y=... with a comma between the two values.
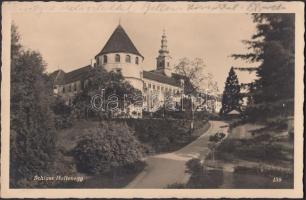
x=78, y=74
x=59, y=77
x=159, y=77
x=119, y=41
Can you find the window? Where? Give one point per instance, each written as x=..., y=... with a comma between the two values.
x=128, y=58
x=153, y=87
x=75, y=87
x=157, y=87
x=136, y=60
x=167, y=64
x=162, y=88
x=149, y=85
x=117, y=58
x=63, y=89
x=105, y=59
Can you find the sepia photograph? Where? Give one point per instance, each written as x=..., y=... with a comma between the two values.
x=134, y=95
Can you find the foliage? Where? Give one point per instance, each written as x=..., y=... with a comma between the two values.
x=111, y=83
x=253, y=149
x=193, y=73
x=273, y=47
x=164, y=135
x=107, y=147
x=63, y=114
x=231, y=94
x=201, y=177
x=217, y=137
x=32, y=131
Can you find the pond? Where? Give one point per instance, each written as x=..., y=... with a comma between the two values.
x=217, y=178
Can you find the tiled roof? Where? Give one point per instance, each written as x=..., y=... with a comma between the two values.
x=159, y=77
x=119, y=42
x=78, y=74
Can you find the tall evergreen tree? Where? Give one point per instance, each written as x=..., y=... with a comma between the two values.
x=32, y=132
x=273, y=47
x=231, y=94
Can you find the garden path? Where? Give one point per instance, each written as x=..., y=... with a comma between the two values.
x=168, y=168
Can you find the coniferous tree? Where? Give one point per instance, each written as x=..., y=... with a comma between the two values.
x=231, y=94
x=273, y=47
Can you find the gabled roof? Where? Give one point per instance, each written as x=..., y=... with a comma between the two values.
x=119, y=41
x=159, y=77
x=78, y=74
x=58, y=77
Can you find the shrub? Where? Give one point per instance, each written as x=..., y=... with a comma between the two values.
x=107, y=147
x=63, y=115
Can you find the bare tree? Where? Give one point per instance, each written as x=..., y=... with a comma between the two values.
x=193, y=71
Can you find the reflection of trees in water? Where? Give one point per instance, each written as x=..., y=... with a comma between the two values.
x=203, y=177
x=208, y=179
x=249, y=181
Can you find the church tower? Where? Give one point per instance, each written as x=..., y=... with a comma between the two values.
x=163, y=59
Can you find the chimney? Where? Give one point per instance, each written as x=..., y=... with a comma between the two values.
x=92, y=62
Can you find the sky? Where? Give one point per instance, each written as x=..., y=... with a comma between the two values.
x=69, y=40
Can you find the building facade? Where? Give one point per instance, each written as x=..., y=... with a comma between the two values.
x=120, y=55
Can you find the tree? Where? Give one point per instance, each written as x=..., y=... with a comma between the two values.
x=193, y=74
x=106, y=148
x=112, y=83
x=273, y=47
x=32, y=132
x=231, y=94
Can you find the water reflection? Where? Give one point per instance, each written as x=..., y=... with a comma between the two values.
x=217, y=178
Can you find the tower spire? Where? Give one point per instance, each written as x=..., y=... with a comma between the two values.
x=164, y=59
x=164, y=48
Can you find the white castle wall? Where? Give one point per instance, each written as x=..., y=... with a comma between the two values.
x=131, y=71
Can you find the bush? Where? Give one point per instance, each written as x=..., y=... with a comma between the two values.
x=252, y=149
x=163, y=135
x=106, y=148
x=63, y=115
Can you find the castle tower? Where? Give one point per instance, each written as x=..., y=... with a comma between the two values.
x=120, y=55
x=163, y=61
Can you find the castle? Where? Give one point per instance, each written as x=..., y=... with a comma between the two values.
x=120, y=55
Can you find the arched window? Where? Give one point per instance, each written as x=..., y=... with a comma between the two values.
x=105, y=59
x=136, y=60
x=117, y=58
x=128, y=58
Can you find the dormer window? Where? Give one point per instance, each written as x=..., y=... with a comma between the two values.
x=105, y=59
x=117, y=58
x=128, y=58
x=136, y=60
